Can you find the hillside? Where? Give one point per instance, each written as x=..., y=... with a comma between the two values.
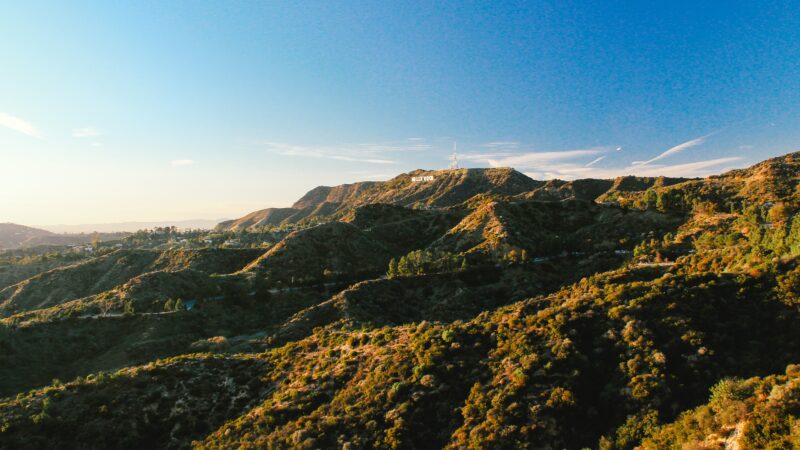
x=104, y=273
x=482, y=310
x=551, y=228
x=14, y=236
x=432, y=189
x=326, y=252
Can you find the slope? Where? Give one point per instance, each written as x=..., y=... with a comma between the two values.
x=428, y=189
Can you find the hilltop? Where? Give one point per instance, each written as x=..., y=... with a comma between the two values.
x=420, y=189
x=477, y=309
x=440, y=189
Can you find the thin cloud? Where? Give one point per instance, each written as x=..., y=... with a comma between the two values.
x=19, y=125
x=85, y=132
x=572, y=171
x=483, y=157
x=501, y=144
x=676, y=149
x=183, y=162
x=537, y=159
x=595, y=161
x=366, y=153
x=372, y=176
x=688, y=170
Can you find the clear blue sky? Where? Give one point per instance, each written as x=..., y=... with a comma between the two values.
x=115, y=111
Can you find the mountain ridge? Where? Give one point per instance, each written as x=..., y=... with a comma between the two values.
x=435, y=317
x=439, y=189
x=444, y=188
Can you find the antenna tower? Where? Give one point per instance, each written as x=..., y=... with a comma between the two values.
x=454, y=158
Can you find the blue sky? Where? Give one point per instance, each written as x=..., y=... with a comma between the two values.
x=116, y=111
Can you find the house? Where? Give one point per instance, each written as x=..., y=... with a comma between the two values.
x=232, y=243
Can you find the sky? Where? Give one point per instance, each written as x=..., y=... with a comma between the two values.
x=141, y=111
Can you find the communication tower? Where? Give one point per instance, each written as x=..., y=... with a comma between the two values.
x=454, y=158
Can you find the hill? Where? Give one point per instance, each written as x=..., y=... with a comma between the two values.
x=420, y=188
x=492, y=313
x=325, y=252
x=543, y=229
x=14, y=236
x=132, y=227
x=108, y=272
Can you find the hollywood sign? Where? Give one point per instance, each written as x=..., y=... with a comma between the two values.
x=425, y=178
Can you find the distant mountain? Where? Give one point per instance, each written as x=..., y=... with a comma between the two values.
x=14, y=236
x=203, y=224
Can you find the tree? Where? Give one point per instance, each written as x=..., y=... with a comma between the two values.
x=105, y=306
x=169, y=305
x=129, y=308
x=403, y=266
x=179, y=305
x=778, y=213
x=650, y=199
x=392, y=272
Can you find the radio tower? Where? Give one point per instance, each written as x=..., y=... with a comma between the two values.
x=454, y=158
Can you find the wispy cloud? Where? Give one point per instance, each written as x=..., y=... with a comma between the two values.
x=363, y=153
x=483, y=158
x=538, y=159
x=19, y=125
x=183, y=162
x=85, y=132
x=595, y=161
x=677, y=149
x=501, y=144
x=572, y=171
x=687, y=170
x=366, y=175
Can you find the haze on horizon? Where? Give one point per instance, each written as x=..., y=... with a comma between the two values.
x=201, y=110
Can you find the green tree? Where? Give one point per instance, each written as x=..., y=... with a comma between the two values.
x=650, y=199
x=392, y=272
x=179, y=305
x=403, y=266
x=169, y=305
